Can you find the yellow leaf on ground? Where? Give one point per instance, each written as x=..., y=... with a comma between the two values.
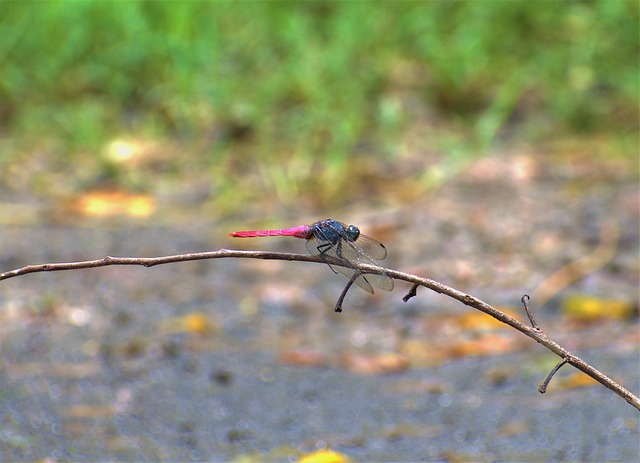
x=488, y=344
x=594, y=308
x=375, y=364
x=575, y=380
x=324, y=456
x=195, y=322
x=113, y=203
x=482, y=321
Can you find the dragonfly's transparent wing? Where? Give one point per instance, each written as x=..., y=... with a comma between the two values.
x=317, y=246
x=351, y=252
x=380, y=281
x=372, y=248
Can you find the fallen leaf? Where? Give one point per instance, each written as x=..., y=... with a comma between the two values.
x=108, y=203
x=481, y=321
x=324, y=456
x=195, y=322
x=575, y=380
x=305, y=358
x=488, y=344
x=375, y=364
x=593, y=308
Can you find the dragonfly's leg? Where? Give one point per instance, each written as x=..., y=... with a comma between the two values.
x=323, y=248
x=339, y=249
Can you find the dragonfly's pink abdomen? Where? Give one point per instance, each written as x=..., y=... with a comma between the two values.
x=303, y=231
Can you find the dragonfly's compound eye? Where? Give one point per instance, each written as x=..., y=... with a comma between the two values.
x=353, y=232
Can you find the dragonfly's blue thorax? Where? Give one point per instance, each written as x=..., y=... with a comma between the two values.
x=331, y=239
x=333, y=231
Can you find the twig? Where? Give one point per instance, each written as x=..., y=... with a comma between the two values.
x=543, y=387
x=525, y=302
x=412, y=293
x=152, y=261
x=352, y=280
x=433, y=285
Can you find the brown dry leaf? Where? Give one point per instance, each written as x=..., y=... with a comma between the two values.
x=304, y=358
x=590, y=308
x=481, y=321
x=108, y=203
x=375, y=364
x=488, y=344
x=324, y=456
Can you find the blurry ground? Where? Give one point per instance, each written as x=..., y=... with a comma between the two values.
x=490, y=145
x=245, y=360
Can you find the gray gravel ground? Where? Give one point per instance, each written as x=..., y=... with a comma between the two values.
x=89, y=372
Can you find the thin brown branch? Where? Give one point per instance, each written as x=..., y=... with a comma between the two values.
x=413, y=292
x=543, y=387
x=352, y=280
x=525, y=302
x=152, y=261
x=466, y=299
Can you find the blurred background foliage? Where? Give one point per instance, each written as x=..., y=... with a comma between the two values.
x=248, y=106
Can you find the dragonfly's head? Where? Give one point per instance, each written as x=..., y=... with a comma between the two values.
x=353, y=232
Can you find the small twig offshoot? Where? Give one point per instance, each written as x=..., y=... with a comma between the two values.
x=412, y=293
x=350, y=283
x=433, y=285
x=543, y=387
x=525, y=302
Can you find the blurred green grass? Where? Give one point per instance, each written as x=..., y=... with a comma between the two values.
x=283, y=98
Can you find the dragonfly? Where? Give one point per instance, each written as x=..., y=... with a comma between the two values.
x=330, y=238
